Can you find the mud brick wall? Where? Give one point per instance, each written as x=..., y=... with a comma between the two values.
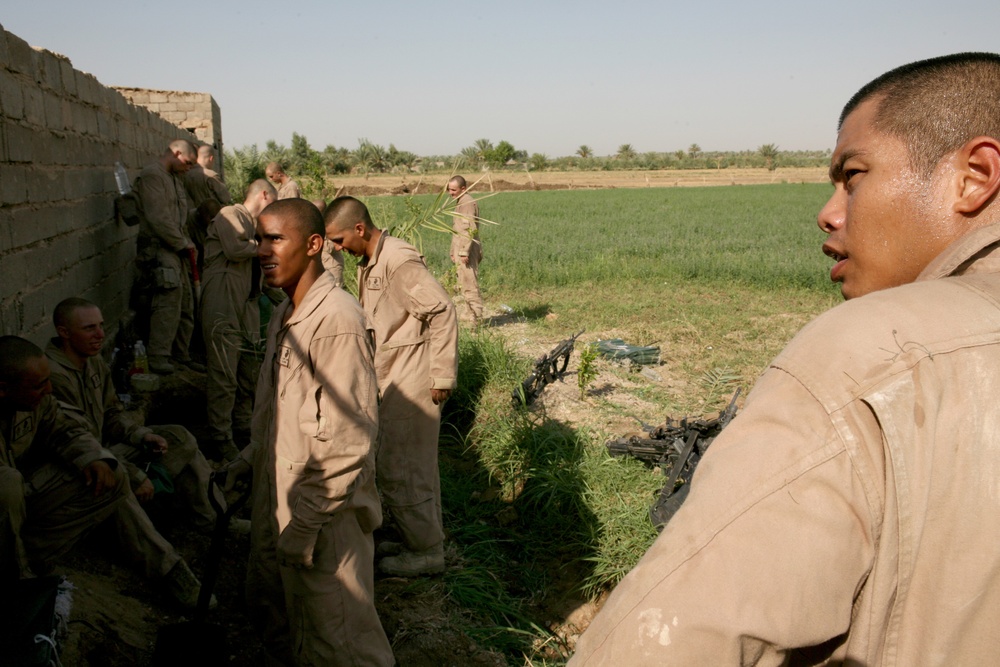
x=61, y=132
x=196, y=112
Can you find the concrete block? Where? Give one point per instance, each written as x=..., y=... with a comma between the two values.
x=19, y=142
x=158, y=97
x=45, y=184
x=34, y=107
x=11, y=96
x=6, y=223
x=13, y=184
x=11, y=317
x=53, y=111
x=49, y=71
x=30, y=225
x=185, y=106
x=19, y=55
x=68, y=78
x=4, y=52
x=166, y=108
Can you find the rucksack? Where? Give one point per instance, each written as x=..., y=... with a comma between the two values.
x=128, y=207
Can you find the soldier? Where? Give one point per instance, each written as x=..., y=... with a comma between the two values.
x=333, y=259
x=848, y=515
x=466, y=248
x=57, y=483
x=311, y=577
x=416, y=354
x=231, y=317
x=165, y=252
x=287, y=188
x=203, y=183
x=81, y=381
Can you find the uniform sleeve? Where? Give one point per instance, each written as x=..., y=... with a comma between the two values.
x=69, y=437
x=118, y=425
x=333, y=261
x=236, y=245
x=341, y=419
x=427, y=301
x=766, y=555
x=158, y=208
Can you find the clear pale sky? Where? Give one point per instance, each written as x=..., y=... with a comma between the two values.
x=432, y=77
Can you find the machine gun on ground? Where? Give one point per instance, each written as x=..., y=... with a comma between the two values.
x=548, y=368
x=675, y=447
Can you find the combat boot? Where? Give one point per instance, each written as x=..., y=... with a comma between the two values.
x=414, y=563
x=160, y=364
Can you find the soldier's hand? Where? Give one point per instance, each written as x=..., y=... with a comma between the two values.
x=100, y=476
x=144, y=492
x=295, y=546
x=156, y=443
x=465, y=260
x=236, y=470
x=439, y=396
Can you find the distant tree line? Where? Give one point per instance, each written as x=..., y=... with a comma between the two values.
x=314, y=169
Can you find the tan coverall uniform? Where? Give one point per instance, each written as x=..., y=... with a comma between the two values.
x=315, y=424
x=290, y=190
x=416, y=350
x=92, y=393
x=465, y=243
x=203, y=185
x=230, y=319
x=45, y=503
x=162, y=249
x=849, y=513
x=333, y=262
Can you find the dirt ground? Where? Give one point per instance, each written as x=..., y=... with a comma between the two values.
x=505, y=181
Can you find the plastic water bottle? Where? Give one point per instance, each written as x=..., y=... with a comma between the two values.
x=121, y=178
x=141, y=363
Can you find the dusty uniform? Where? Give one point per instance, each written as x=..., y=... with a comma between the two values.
x=416, y=350
x=315, y=423
x=162, y=250
x=230, y=320
x=290, y=190
x=465, y=243
x=45, y=504
x=333, y=262
x=852, y=504
x=91, y=392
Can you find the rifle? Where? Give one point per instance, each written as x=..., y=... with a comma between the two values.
x=547, y=368
x=675, y=447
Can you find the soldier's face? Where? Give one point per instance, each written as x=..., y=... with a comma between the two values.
x=26, y=392
x=285, y=252
x=455, y=190
x=351, y=239
x=885, y=222
x=84, y=332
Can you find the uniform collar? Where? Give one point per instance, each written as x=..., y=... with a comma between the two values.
x=317, y=292
x=975, y=252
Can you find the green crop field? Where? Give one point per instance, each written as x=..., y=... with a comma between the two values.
x=720, y=278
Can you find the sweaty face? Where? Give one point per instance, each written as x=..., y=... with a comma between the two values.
x=351, y=239
x=885, y=222
x=34, y=385
x=283, y=250
x=84, y=332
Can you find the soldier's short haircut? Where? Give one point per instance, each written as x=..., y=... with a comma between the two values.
x=301, y=212
x=460, y=180
x=261, y=185
x=65, y=308
x=15, y=353
x=184, y=146
x=937, y=105
x=274, y=168
x=346, y=211
x=206, y=149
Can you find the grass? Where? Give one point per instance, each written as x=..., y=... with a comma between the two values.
x=720, y=278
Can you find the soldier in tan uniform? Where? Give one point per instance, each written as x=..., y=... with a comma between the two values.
x=466, y=248
x=333, y=259
x=164, y=251
x=81, y=381
x=208, y=194
x=57, y=482
x=310, y=582
x=287, y=188
x=230, y=316
x=416, y=357
x=847, y=515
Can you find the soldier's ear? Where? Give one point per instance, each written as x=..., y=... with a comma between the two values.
x=978, y=165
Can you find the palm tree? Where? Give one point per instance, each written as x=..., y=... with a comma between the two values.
x=770, y=154
x=626, y=152
x=585, y=151
x=694, y=150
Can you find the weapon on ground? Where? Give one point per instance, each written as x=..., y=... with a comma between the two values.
x=548, y=368
x=675, y=447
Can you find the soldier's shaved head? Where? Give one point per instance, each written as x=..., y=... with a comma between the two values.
x=260, y=185
x=345, y=212
x=205, y=151
x=458, y=180
x=273, y=168
x=185, y=147
x=63, y=312
x=300, y=212
x=15, y=353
